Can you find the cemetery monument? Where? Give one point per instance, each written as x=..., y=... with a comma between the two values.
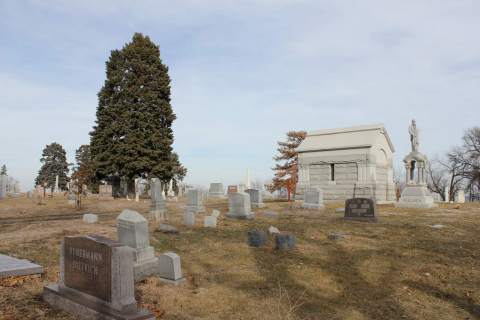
x=239, y=206
x=415, y=194
x=96, y=280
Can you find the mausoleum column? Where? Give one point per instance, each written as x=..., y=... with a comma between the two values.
x=407, y=171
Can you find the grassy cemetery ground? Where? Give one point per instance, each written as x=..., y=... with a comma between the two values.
x=399, y=268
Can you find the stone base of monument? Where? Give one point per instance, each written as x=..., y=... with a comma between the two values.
x=87, y=307
x=416, y=196
x=247, y=216
x=315, y=206
x=158, y=214
x=145, y=268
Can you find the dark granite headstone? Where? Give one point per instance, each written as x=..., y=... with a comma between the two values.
x=361, y=209
x=96, y=280
x=284, y=241
x=257, y=238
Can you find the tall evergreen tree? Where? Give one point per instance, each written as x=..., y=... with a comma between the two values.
x=132, y=136
x=54, y=162
x=3, y=171
x=286, y=172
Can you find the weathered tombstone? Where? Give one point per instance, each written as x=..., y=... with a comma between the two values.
x=105, y=192
x=241, y=187
x=72, y=198
x=210, y=222
x=256, y=238
x=460, y=198
x=12, y=267
x=232, y=189
x=96, y=280
x=90, y=218
x=361, y=209
x=3, y=186
x=189, y=218
x=284, y=241
x=447, y=194
x=158, y=210
x=170, y=268
x=195, y=201
x=313, y=198
x=256, y=199
x=215, y=213
x=239, y=206
x=216, y=190
x=132, y=230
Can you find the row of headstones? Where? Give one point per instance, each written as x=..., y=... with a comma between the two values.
x=98, y=275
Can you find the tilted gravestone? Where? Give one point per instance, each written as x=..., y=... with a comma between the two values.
x=96, y=280
x=132, y=230
x=239, y=206
x=216, y=190
x=361, y=209
x=256, y=199
x=195, y=201
x=313, y=198
x=170, y=268
x=158, y=210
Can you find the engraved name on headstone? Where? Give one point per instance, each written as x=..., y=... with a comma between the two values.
x=362, y=209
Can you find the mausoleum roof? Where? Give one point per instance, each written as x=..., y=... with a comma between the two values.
x=344, y=138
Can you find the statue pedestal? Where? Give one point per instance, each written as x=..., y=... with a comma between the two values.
x=416, y=196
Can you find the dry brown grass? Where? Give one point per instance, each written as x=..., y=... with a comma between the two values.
x=399, y=268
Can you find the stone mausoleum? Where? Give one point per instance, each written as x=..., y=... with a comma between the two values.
x=347, y=162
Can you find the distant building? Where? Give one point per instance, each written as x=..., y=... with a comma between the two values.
x=346, y=160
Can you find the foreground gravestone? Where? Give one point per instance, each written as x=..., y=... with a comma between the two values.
x=216, y=190
x=96, y=280
x=239, y=206
x=11, y=267
x=158, y=210
x=132, y=230
x=361, y=209
x=313, y=198
x=195, y=201
x=256, y=199
x=170, y=268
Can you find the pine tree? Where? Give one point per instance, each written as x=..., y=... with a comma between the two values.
x=286, y=172
x=133, y=135
x=3, y=171
x=54, y=162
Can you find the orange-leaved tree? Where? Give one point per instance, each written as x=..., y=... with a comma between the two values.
x=286, y=171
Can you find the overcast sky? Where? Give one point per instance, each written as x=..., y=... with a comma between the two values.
x=243, y=73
